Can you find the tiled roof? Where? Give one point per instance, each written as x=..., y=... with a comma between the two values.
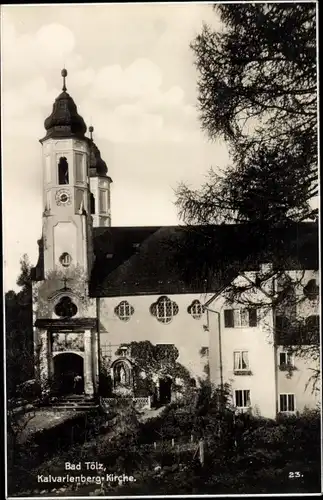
x=174, y=259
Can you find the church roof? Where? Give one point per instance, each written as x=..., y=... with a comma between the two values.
x=173, y=259
x=64, y=121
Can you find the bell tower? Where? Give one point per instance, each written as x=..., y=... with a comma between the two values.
x=66, y=195
x=65, y=327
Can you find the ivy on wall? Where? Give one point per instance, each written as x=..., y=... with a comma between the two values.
x=151, y=362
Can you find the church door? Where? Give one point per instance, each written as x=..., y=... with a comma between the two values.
x=68, y=373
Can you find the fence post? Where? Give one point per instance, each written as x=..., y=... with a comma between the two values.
x=201, y=451
x=192, y=438
x=155, y=445
x=173, y=442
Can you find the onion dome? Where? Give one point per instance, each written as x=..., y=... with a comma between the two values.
x=98, y=167
x=64, y=120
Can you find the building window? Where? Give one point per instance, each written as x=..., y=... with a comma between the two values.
x=311, y=290
x=65, y=308
x=65, y=259
x=196, y=309
x=79, y=201
x=241, y=360
x=79, y=177
x=63, y=177
x=164, y=309
x=286, y=359
x=124, y=310
x=287, y=402
x=103, y=204
x=242, y=398
x=92, y=203
x=240, y=318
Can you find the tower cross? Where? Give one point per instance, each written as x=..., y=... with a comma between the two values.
x=65, y=280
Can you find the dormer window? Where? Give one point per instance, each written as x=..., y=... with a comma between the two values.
x=63, y=177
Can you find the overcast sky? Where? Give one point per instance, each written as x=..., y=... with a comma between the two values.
x=131, y=74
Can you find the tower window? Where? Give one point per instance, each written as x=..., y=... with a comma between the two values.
x=79, y=167
x=103, y=201
x=65, y=259
x=92, y=203
x=63, y=177
x=65, y=308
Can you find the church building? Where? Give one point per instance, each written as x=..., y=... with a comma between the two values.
x=103, y=295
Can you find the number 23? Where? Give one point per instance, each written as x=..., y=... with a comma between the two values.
x=293, y=475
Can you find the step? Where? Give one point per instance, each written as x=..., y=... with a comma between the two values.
x=74, y=408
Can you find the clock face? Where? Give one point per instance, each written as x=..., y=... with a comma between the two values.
x=63, y=197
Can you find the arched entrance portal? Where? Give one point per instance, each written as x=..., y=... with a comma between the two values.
x=68, y=373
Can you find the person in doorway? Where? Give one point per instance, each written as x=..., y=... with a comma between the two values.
x=78, y=384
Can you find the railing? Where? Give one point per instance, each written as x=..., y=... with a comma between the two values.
x=140, y=403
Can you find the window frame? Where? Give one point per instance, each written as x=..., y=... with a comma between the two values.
x=230, y=316
x=163, y=301
x=80, y=164
x=196, y=309
x=287, y=394
x=103, y=202
x=241, y=352
x=121, y=310
x=289, y=356
x=248, y=398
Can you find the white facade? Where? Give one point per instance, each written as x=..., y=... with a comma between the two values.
x=248, y=359
x=185, y=330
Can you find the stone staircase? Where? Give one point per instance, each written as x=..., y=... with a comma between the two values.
x=74, y=402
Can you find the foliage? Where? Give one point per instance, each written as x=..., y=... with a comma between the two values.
x=257, y=88
x=154, y=361
x=19, y=331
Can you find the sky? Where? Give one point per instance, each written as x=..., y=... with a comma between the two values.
x=131, y=74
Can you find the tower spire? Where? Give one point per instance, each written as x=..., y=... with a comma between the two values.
x=64, y=75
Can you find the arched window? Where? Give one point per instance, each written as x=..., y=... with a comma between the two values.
x=164, y=309
x=65, y=308
x=196, y=309
x=92, y=203
x=311, y=290
x=65, y=259
x=124, y=310
x=63, y=177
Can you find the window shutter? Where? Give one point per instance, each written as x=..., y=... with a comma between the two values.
x=252, y=317
x=228, y=318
